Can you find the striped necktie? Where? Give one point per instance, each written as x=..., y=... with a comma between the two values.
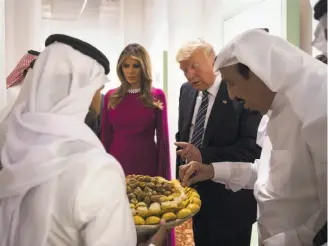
x=321, y=236
x=199, y=129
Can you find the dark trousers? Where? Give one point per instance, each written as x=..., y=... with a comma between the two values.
x=225, y=217
x=207, y=233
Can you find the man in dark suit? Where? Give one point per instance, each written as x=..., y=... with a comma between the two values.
x=213, y=128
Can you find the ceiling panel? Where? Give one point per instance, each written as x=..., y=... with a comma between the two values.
x=71, y=9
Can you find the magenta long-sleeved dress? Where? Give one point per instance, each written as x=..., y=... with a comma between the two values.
x=128, y=133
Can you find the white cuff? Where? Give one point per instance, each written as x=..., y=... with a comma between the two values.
x=222, y=171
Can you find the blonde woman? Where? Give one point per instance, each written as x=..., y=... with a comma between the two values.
x=133, y=114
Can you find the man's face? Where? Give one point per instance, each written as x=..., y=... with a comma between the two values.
x=252, y=90
x=198, y=70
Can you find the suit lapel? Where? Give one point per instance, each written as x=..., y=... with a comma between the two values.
x=217, y=112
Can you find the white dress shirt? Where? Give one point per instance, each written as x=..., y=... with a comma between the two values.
x=212, y=92
x=292, y=207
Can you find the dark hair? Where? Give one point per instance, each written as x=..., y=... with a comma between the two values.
x=320, y=9
x=243, y=70
x=139, y=53
x=322, y=58
x=92, y=121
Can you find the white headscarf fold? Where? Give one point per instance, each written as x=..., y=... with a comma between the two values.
x=46, y=135
x=11, y=104
x=287, y=70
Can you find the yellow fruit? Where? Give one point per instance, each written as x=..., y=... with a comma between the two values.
x=197, y=201
x=141, y=204
x=138, y=220
x=132, y=206
x=185, y=203
x=155, y=208
x=169, y=206
x=193, y=190
x=194, y=208
x=175, y=194
x=153, y=220
x=142, y=211
x=170, y=198
x=195, y=194
x=169, y=216
x=183, y=213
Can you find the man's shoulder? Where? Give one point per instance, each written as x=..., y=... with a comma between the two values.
x=186, y=86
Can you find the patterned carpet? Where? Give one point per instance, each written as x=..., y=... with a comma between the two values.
x=184, y=235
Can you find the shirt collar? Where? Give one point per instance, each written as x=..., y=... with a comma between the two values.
x=213, y=90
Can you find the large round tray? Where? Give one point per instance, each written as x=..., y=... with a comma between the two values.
x=151, y=229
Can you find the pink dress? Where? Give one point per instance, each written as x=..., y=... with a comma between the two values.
x=128, y=133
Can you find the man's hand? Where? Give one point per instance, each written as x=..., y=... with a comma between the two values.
x=201, y=172
x=158, y=238
x=188, y=152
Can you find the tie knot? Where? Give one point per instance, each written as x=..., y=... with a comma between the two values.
x=205, y=92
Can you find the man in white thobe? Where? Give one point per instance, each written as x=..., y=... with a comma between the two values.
x=274, y=77
x=58, y=186
x=290, y=183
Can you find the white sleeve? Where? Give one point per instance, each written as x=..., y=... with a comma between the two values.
x=102, y=210
x=236, y=175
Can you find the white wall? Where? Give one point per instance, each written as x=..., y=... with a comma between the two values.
x=23, y=25
x=267, y=14
x=132, y=21
x=2, y=55
x=156, y=36
x=306, y=26
x=105, y=37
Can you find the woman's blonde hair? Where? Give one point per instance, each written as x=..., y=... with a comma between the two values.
x=139, y=53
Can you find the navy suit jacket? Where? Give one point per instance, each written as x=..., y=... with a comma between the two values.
x=230, y=136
